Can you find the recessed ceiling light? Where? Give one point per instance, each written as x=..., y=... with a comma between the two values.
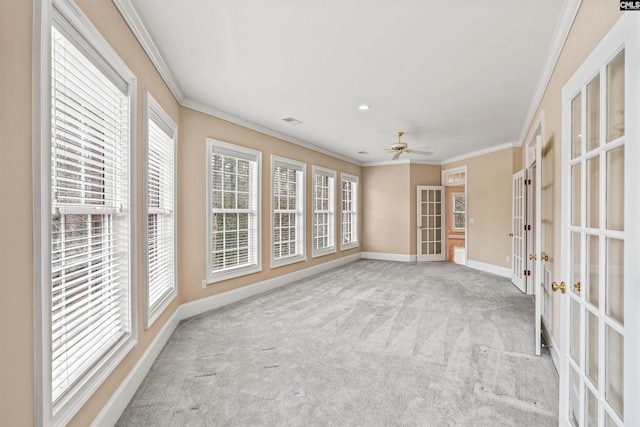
x=364, y=153
x=364, y=107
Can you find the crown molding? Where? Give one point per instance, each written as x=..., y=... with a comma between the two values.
x=211, y=111
x=568, y=15
x=482, y=152
x=131, y=17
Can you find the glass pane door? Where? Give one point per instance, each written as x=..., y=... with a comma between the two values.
x=431, y=217
x=595, y=167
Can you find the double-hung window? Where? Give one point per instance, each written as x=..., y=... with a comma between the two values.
x=233, y=211
x=459, y=211
x=349, y=185
x=161, y=211
x=85, y=285
x=323, y=211
x=288, y=211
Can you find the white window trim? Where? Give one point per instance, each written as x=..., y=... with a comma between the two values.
x=332, y=201
x=454, y=212
x=353, y=178
x=45, y=412
x=240, y=271
x=153, y=108
x=294, y=164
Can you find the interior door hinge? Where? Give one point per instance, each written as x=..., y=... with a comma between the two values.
x=527, y=227
x=527, y=182
x=527, y=272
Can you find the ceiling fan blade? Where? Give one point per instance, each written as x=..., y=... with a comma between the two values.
x=422, y=153
x=395, y=156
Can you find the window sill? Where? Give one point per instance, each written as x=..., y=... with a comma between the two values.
x=323, y=252
x=287, y=261
x=349, y=246
x=231, y=274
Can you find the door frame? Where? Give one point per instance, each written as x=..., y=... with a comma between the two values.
x=445, y=173
x=625, y=33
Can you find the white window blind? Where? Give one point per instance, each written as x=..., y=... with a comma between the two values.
x=90, y=294
x=323, y=211
x=161, y=257
x=234, y=211
x=349, y=211
x=288, y=211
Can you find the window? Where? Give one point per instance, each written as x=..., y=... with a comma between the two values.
x=233, y=218
x=287, y=189
x=161, y=217
x=349, y=211
x=459, y=211
x=323, y=211
x=85, y=286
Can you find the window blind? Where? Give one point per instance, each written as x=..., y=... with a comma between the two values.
x=288, y=211
x=89, y=221
x=234, y=210
x=349, y=210
x=323, y=210
x=161, y=214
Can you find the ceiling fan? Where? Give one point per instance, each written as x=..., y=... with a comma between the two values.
x=402, y=147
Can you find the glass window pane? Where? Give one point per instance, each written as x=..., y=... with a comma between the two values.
x=592, y=346
x=593, y=113
x=574, y=309
x=576, y=187
x=615, y=101
x=592, y=409
x=615, y=280
x=593, y=270
x=614, y=380
x=575, y=259
x=615, y=189
x=593, y=192
x=574, y=398
x=576, y=127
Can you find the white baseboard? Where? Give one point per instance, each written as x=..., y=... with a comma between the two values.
x=120, y=399
x=203, y=305
x=553, y=348
x=489, y=268
x=389, y=257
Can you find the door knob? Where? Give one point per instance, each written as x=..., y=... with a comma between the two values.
x=544, y=257
x=532, y=257
x=510, y=234
x=576, y=287
x=561, y=286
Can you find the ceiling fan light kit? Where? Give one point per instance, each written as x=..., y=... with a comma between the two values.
x=402, y=147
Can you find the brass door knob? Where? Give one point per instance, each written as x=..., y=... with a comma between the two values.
x=576, y=287
x=533, y=257
x=544, y=257
x=562, y=286
x=510, y=234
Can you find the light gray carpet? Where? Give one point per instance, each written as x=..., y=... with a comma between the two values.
x=373, y=343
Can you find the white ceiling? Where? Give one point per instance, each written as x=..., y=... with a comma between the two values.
x=456, y=76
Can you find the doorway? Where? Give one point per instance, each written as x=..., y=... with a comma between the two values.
x=455, y=183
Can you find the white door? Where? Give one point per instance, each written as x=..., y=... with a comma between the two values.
x=600, y=317
x=518, y=261
x=432, y=239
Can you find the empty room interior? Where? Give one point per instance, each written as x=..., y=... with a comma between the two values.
x=319, y=213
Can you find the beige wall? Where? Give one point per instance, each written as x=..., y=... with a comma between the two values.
x=489, y=206
x=16, y=268
x=386, y=203
x=592, y=22
x=195, y=127
x=17, y=403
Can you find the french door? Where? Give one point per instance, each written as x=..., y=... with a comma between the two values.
x=518, y=222
x=600, y=320
x=431, y=220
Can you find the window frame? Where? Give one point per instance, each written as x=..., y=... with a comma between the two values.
x=301, y=171
x=154, y=112
x=355, y=222
x=454, y=212
x=238, y=151
x=77, y=28
x=331, y=227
